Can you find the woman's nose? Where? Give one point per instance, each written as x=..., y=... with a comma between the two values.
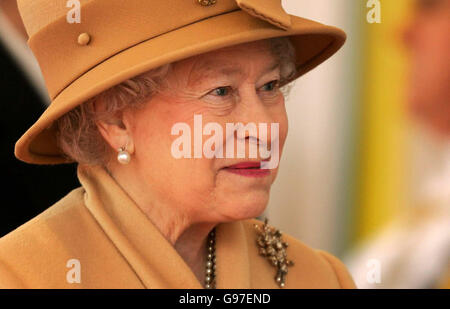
x=253, y=108
x=264, y=116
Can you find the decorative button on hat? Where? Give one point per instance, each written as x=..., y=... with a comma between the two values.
x=84, y=39
x=179, y=30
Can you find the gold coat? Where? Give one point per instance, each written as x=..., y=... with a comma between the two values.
x=117, y=246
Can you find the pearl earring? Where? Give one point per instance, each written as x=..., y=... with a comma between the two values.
x=123, y=156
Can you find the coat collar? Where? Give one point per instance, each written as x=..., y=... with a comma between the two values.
x=149, y=254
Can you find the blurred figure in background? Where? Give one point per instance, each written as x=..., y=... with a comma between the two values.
x=428, y=40
x=23, y=99
x=414, y=250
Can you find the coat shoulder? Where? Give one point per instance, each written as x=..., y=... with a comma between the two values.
x=38, y=254
x=313, y=268
x=31, y=244
x=67, y=209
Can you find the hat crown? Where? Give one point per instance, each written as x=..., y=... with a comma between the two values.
x=65, y=49
x=36, y=14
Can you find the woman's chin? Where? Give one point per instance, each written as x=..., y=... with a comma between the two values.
x=241, y=209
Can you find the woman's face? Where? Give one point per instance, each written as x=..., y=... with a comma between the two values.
x=232, y=85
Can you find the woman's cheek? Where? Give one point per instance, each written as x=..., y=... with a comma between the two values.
x=283, y=126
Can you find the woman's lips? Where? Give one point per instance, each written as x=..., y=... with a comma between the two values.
x=248, y=169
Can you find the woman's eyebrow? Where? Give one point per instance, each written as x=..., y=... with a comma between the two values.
x=211, y=68
x=275, y=65
x=232, y=69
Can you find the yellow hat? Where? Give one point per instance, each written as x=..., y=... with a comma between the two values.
x=117, y=40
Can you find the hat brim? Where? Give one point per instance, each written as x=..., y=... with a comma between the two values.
x=314, y=43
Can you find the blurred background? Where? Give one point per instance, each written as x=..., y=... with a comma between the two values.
x=365, y=173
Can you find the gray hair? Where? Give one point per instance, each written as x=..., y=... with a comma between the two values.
x=78, y=136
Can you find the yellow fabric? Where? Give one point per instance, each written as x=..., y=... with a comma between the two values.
x=382, y=167
x=119, y=247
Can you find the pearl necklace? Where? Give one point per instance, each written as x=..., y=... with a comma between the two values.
x=210, y=278
x=271, y=246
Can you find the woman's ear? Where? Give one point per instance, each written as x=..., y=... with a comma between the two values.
x=115, y=130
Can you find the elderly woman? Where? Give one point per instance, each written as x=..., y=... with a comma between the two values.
x=135, y=87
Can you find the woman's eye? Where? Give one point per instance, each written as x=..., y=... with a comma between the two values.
x=270, y=86
x=221, y=91
x=226, y=90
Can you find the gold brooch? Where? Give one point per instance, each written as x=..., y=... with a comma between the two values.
x=273, y=248
x=207, y=2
